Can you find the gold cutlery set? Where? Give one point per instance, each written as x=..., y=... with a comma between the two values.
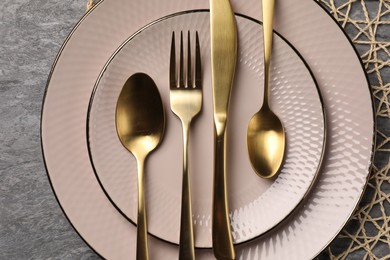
x=103, y=189
x=140, y=124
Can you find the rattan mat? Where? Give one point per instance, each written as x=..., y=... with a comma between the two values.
x=367, y=234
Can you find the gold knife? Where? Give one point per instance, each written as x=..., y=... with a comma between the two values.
x=223, y=64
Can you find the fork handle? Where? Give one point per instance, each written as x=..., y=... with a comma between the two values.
x=186, y=245
x=222, y=237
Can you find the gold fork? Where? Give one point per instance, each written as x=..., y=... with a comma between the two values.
x=186, y=103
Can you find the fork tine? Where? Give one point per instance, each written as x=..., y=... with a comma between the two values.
x=181, y=66
x=198, y=64
x=172, y=64
x=189, y=71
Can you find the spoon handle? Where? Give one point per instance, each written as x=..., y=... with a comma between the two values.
x=186, y=245
x=142, y=239
x=268, y=17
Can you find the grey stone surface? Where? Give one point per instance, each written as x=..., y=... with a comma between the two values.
x=32, y=225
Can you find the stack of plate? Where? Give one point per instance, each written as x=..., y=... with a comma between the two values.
x=318, y=88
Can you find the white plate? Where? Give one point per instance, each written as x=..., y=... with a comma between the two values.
x=256, y=205
x=346, y=98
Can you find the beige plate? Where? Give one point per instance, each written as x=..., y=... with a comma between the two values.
x=349, y=140
x=256, y=204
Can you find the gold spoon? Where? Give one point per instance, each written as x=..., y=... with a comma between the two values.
x=265, y=134
x=140, y=123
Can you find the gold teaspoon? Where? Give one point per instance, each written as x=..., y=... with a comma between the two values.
x=265, y=134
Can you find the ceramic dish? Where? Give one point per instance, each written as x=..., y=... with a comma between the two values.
x=350, y=128
x=256, y=205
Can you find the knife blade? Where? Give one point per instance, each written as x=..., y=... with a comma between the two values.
x=223, y=62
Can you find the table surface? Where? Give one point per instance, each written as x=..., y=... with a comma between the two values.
x=32, y=225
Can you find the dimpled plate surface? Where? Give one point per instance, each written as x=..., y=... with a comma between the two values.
x=346, y=98
x=256, y=204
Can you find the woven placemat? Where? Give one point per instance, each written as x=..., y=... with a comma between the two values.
x=367, y=23
x=367, y=234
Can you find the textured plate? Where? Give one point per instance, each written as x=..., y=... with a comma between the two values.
x=339, y=74
x=256, y=205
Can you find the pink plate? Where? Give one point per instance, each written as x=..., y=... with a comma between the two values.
x=256, y=205
x=347, y=103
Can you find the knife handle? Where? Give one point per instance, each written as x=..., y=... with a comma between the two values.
x=222, y=237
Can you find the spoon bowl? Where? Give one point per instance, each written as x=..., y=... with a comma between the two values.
x=140, y=115
x=266, y=142
x=140, y=124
